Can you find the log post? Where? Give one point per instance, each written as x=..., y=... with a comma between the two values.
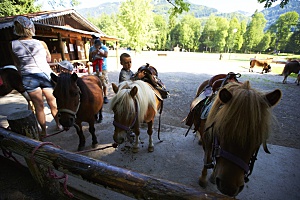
x=24, y=123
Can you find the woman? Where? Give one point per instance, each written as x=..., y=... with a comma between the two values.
x=31, y=56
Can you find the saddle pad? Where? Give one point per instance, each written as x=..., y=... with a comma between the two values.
x=206, y=110
x=155, y=92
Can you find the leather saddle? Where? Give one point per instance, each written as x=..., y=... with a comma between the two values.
x=151, y=77
x=202, y=103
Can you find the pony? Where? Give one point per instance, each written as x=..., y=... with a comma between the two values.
x=11, y=79
x=237, y=123
x=291, y=67
x=265, y=64
x=78, y=100
x=134, y=102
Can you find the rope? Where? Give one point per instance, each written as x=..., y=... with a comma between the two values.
x=51, y=172
x=52, y=134
x=115, y=145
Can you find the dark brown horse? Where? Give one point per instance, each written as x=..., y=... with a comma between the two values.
x=78, y=100
x=134, y=102
x=291, y=67
x=11, y=79
x=265, y=64
x=237, y=123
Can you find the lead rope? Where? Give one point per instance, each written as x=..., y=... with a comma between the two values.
x=159, y=119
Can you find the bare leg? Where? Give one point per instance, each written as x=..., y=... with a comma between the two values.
x=52, y=104
x=37, y=100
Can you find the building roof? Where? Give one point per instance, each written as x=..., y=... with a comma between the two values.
x=46, y=18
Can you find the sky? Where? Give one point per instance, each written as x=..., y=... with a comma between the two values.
x=222, y=5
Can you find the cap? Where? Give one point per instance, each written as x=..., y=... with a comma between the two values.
x=24, y=21
x=66, y=65
x=97, y=41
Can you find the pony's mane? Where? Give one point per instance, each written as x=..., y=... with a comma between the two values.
x=123, y=104
x=244, y=120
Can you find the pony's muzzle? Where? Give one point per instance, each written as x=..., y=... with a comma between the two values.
x=119, y=138
x=228, y=189
x=66, y=120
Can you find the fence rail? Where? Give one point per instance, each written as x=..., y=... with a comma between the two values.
x=129, y=183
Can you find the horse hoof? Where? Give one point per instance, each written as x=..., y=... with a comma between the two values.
x=94, y=145
x=202, y=183
x=135, y=149
x=150, y=149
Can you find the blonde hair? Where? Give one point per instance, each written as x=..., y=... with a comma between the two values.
x=20, y=30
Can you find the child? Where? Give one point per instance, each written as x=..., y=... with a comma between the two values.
x=96, y=57
x=125, y=73
x=65, y=67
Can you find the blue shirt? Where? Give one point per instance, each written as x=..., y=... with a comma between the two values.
x=105, y=49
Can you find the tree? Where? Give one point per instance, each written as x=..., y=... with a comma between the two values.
x=294, y=41
x=17, y=7
x=255, y=31
x=264, y=44
x=137, y=18
x=209, y=32
x=284, y=25
x=268, y=3
x=220, y=33
x=162, y=33
x=178, y=7
x=232, y=33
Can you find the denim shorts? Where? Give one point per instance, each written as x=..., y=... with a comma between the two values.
x=32, y=82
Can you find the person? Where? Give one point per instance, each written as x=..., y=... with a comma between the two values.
x=98, y=55
x=125, y=73
x=65, y=66
x=54, y=50
x=31, y=56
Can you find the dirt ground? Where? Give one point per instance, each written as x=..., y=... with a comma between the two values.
x=182, y=76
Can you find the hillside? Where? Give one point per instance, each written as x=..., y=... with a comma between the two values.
x=161, y=7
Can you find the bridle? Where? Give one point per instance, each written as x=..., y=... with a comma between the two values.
x=128, y=129
x=218, y=151
x=71, y=112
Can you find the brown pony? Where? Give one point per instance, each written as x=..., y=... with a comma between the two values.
x=265, y=64
x=134, y=102
x=237, y=124
x=291, y=67
x=78, y=100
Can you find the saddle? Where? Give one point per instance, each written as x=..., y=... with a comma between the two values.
x=151, y=77
x=201, y=105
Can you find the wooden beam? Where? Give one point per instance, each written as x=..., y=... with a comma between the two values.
x=124, y=181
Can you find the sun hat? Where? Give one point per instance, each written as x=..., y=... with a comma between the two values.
x=24, y=21
x=66, y=65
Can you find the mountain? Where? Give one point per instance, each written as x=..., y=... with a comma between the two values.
x=161, y=7
x=272, y=14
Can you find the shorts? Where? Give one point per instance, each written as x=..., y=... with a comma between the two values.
x=104, y=78
x=32, y=82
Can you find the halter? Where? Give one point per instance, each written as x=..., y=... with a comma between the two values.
x=218, y=151
x=71, y=112
x=128, y=129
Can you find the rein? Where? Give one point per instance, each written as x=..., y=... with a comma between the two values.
x=218, y=151
x=128, y=129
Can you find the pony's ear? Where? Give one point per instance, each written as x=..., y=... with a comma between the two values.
x=74, y=77
x=115, y=88
x=133, y=91
x=53, y=78
x=224, y=95
x=273, y=97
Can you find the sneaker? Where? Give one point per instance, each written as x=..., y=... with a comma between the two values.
x=105, y=100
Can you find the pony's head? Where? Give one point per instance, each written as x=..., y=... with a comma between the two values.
x=240, y=120
x=130, y=105
x=67, y=95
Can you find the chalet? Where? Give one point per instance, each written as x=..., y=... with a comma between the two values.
x=67, y=34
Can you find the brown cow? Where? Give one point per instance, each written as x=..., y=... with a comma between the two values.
x=291, y=67
x=265, y=64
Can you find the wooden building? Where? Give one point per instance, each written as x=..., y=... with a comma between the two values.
x=67, y=34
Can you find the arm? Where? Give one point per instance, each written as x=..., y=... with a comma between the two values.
x=48, y=54
x=104, y=48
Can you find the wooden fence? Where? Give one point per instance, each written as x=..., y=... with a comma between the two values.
x=129, y=183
